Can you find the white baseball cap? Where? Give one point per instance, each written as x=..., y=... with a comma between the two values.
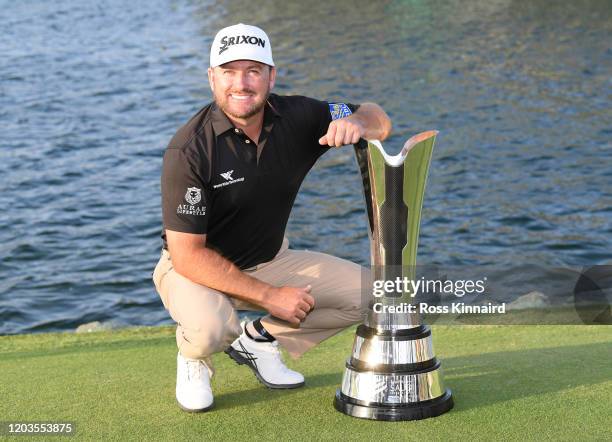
x=240, y=42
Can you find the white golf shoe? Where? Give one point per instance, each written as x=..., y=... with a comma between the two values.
x=264, y=359
x=193, y=392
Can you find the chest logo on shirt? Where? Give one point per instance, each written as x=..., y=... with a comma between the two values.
x=227, y=176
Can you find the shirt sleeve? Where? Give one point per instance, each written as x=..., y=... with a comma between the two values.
x=324, y=112
x=320, y=115
x=185, y=195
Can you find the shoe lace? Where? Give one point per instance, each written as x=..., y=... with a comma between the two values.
x=277, y=355
x=195, y=368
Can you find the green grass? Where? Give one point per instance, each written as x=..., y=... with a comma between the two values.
x=509, y=383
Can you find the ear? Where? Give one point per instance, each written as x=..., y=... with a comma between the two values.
x=211, y=79
x=272, y=77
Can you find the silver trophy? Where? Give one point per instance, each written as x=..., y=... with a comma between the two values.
x=392, y=373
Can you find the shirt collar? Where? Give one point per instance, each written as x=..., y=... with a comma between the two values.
x=222, y=124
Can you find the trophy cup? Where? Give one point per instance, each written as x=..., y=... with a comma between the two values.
x=392, y=373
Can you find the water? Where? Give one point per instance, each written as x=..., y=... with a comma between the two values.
x=90, y=94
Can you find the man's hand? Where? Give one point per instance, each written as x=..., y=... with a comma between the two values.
x=343, y=131
x=369, y=121
x=291, y=304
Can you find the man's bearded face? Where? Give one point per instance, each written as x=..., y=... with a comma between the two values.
x=241, y=87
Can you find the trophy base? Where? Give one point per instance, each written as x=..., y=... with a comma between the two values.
x=386, y=412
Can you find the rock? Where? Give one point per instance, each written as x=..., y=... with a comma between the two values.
x=95, y=326
x=529, y=300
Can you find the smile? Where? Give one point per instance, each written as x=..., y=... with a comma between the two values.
x=240, y=97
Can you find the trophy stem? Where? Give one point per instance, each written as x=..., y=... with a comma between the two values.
x=393, y=373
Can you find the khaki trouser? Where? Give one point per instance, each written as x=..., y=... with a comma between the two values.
x=208, y=322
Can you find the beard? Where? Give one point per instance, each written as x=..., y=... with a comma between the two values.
x=223, y=103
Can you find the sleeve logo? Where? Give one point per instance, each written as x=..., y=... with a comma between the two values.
x=339, y=110
x=193, y=195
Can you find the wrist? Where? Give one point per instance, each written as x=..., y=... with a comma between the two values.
x=360, y=122
x=268, y=294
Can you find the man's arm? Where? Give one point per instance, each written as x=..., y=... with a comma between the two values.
x=370, y=122
x=192, y=259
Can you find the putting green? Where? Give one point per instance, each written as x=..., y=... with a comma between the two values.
x=509, y=382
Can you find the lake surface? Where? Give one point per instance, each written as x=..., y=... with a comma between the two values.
x=90, y=94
